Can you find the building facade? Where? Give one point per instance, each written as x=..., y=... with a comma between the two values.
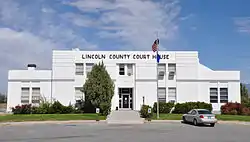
x=181, y=78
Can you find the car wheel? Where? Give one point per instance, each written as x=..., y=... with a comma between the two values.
x=212, y=124
x=195, y=122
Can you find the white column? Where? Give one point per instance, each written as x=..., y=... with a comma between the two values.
x=218, y=88
x=30, y=93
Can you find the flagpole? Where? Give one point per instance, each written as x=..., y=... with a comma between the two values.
x=157, y=80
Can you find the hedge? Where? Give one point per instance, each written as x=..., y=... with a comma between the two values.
x=163, y=107
x=181, y=108
x=45, y=108
x=235, y=109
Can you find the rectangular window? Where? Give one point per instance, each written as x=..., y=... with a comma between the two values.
x=79, y=69
x=78, y=93
x=36, y=95
x=25, y=95
x=161, y=71
x=162, y=94
x=223, y=95
x=172, y=94
x=213, y=95
x=121, y=69
x=171, y=70
x=89, y=67
x=171, y=67
x=130, y=69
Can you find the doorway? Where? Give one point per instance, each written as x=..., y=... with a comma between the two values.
x=126, y=98
x=125, y=101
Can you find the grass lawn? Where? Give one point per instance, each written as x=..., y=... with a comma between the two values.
x=233, y=117
x=219, y=117
x=48, y=117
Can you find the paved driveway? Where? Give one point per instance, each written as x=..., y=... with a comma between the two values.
x=158, y=132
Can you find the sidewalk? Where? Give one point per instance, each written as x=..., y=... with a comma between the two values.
x=104, y=121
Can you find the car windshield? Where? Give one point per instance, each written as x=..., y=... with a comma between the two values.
x=204, y=112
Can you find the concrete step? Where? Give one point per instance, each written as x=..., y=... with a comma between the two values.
x=124, y=117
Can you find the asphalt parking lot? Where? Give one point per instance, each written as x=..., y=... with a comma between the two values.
x=157, y=132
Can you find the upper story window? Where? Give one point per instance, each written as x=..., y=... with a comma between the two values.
x=89, y=67
x=223, y=95
x=171, y=67
x=121, y=69
x=79, y=70
x=213, y=95
x=130, y=69
x=171, y=70
x=161, y=71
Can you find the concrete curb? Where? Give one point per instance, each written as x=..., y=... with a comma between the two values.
x=104, y=121
x=179, y=121
x=51, y=122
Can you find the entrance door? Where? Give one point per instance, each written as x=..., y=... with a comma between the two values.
x=125, y=101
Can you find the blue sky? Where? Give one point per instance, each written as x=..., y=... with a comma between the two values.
x=219, y=30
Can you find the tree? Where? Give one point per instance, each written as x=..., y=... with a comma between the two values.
x=244, y=95
x=99, y=89
x=3, y=98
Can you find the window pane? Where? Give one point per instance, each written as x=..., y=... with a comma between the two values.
x=223, y=95
x=171, y=67
x=89, y=67
x=35, y=95
x=25, y=93
x=213, y=95
x=130, y=69
x=172, y=94
x=162, y=67
x=121, y=69
x=162, y=94
x=79, y=68
x=79, y=94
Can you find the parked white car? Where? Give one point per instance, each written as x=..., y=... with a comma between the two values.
x=200, y=116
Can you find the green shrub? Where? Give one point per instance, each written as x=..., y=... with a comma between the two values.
x=56, y=107
x=43, y=108
x=163, y=107
x=181, y=108
x=105, y=108
x=68, y=109
x=144, y=111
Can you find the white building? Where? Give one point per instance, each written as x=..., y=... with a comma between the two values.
x=181, y=78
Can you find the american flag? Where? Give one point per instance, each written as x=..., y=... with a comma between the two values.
x=155, y=45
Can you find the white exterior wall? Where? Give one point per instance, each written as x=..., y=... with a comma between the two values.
x=192, y=79
x=27, y=78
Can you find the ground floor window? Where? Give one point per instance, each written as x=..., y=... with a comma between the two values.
x=172, y=94
x=223, y=95
x=213, y=95
x=36, y=95
x=25, y=95
x=162, y=95
x=78, y=94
